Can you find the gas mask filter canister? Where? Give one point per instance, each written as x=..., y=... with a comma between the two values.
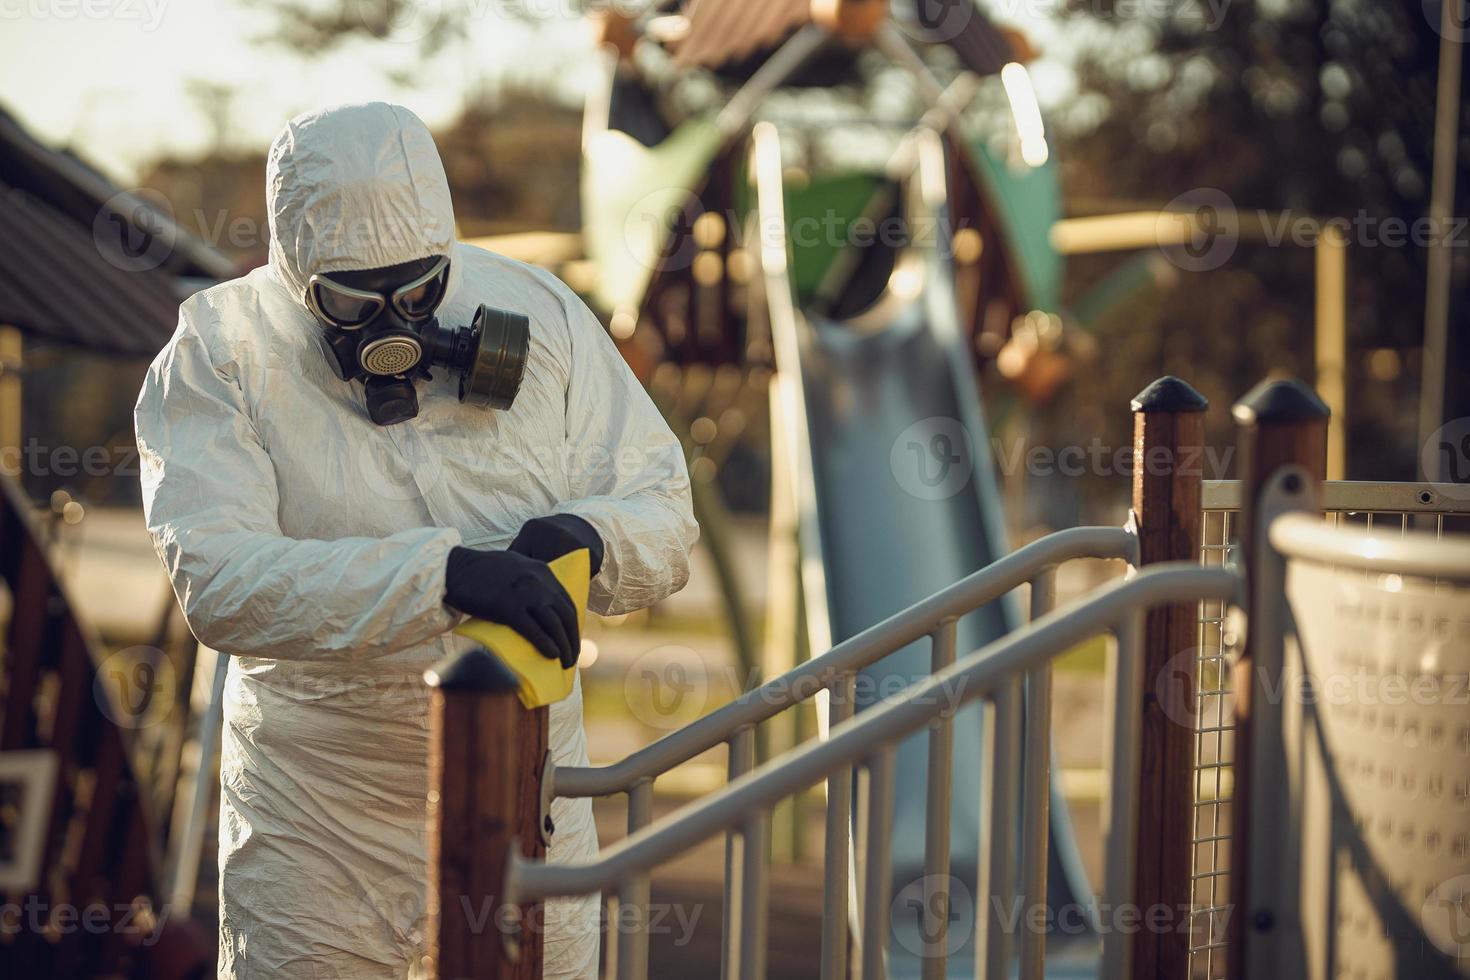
x=387, y=336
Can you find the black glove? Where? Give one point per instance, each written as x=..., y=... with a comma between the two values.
x=548, y=538
x=521, y=592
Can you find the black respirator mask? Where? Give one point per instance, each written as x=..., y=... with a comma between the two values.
x=380, y=329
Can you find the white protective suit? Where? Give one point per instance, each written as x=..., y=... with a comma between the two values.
x=310, y=544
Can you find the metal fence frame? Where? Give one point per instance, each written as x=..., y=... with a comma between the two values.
x=1374, y=505
x=867, y=741
x=834, y=672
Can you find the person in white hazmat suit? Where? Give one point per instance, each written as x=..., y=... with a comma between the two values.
x=328, y=536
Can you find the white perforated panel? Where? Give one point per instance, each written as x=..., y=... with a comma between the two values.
x=1385, y=749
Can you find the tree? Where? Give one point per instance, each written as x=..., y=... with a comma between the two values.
x=1323, y=108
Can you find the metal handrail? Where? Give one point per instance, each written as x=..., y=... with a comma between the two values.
x=1357, y=496
x=867, y=740
x=861, y=650
x=1304, y=536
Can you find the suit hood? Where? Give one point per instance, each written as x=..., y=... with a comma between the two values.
x=355, y=187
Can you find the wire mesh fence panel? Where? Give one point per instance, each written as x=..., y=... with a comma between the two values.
x=1391, y=508
x=1213, y=744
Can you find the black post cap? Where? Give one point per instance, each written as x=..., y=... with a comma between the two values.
x=1169, y=394
x=1280, y=400
x=477, y=669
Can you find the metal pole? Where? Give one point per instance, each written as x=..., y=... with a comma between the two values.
x=753, y=834
x=838, y=833
x=12, y=363
x=1004, y=830
x=1036, y=790
x=1278, y=423
x=737, y=882
x=878, y=871
x=783, y=618
x=1277, y=943
x=187, y=842
x=1121, y=845
x=937, y=814
x=633, y=894
x=1331, y=254
x=1441, y=210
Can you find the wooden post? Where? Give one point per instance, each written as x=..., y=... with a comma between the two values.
x=1278, y=423
x=486, y=753
x=1168, y=459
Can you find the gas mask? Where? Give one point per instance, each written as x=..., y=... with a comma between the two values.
x=379, y=327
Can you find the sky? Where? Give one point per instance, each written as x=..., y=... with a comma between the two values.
x=113, y=78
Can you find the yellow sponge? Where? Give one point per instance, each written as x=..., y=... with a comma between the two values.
x=542, y=680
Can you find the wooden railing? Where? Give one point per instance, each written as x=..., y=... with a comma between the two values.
x=86, y=900
x=486, y=756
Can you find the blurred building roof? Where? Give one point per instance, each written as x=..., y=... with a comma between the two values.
x=85, y=263
x=723, y=33
x=55, y=283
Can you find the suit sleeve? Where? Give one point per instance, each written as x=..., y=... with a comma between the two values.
x=210, y=501
x=628, y=476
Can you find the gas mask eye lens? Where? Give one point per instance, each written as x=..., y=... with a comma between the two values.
x=342, y=308
x=418, y=300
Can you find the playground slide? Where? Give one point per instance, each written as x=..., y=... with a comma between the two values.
x=907, y=504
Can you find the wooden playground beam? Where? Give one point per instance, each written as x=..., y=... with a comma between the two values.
x=486, y=756
x=1134, y=230
x=1168, y=450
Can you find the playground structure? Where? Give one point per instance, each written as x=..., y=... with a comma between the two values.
x=695, y=230
x=82, y=862
x=705, y=254
x=1313, y=823
x=1318, y=601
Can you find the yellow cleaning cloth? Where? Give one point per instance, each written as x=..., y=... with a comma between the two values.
x=542, y=680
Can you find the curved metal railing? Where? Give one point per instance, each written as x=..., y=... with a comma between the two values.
x=834, y=672
x=1304, y=536
x=868, y=741
x=986, y=585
